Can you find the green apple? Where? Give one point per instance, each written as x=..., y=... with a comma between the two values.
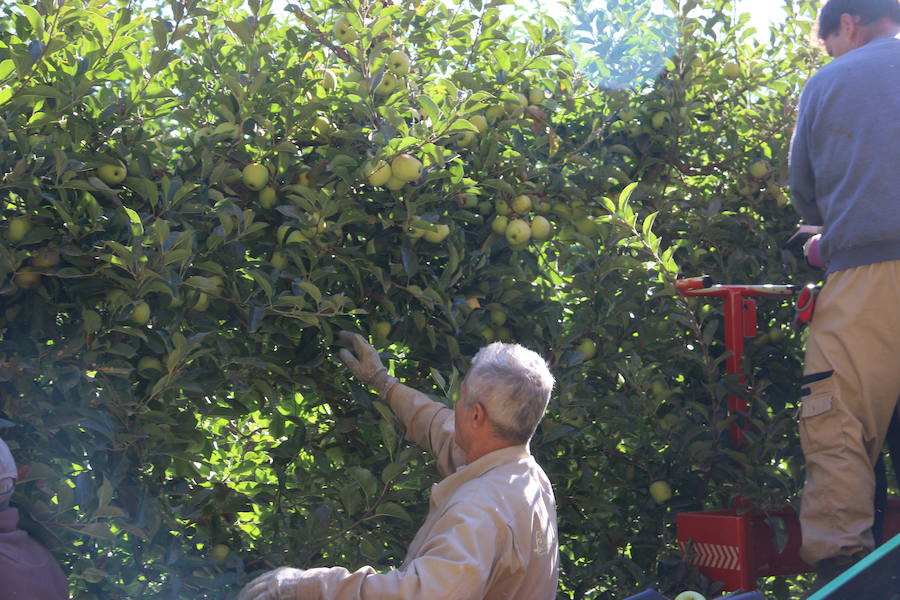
x=278, y=260
x=140, y=314
x=467, y=200
x=388, y=84
x=480, y=123
x=356, y=79
x=416, y=230
x=588, y=348
x=398, y=62
x=659, y=119
x=26, y=278
x=268, y=197
x=498, y=317
x=465, y=139
x=45, y=258
x=536, y=96
x=521, y=204
x=343, y=31
x=499, y=224
x=660, y=491
x=219, y=553
x=732, y=70
x=406, y=167
x=149, y=363
x=203, y=132
x=759, y=168
x=255, y=176
x=517, y=232
x=377, y=172
x=112, y=174
x=381, y=330
x=690, y=595
x=17, y=228
x=394, y=183
x=541, y=229
x=519, y=103
x=495, y=112
x=438, y=234
x=322, y=126
x=488, y=334
x=328, y=78
x=504, y=333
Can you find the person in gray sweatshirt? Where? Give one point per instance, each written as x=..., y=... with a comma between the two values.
x=27, y=570
x=845, y=177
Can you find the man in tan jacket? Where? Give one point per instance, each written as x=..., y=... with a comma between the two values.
x=491, y=526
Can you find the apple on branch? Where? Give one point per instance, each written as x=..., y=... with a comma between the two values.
x=406, y=167
x=344, y=32
x=398, y=62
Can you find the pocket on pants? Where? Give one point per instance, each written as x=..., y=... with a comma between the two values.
x=821, y=424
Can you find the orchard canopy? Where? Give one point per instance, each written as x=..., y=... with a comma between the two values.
x=197, y=195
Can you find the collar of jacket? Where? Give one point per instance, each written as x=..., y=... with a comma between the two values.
x=442, y=491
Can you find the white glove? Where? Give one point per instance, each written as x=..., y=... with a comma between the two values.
x=365, y=363
x=279, y=584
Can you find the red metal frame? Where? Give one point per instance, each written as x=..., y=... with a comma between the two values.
x=740, y=323
x=736, y=546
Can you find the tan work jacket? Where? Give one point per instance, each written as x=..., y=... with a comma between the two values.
x=490, y=531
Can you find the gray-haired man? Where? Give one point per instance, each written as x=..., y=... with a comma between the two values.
x=27, y=571
x=491, y=526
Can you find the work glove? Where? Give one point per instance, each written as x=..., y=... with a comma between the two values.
x=364, y=362
x=280, y=584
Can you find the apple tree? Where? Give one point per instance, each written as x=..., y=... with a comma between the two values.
x=198, y=195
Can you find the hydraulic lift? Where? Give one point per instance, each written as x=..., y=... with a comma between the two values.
x=736, y=546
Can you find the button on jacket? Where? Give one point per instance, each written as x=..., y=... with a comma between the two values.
x=490, y=531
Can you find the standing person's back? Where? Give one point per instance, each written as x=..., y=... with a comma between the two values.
x=847, y=136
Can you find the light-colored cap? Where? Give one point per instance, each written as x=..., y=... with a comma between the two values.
x=8, y=473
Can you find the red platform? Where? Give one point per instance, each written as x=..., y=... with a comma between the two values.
x=734, y=546
x=737, y=549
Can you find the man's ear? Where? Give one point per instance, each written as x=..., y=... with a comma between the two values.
x=849, y=23
x=479, y=414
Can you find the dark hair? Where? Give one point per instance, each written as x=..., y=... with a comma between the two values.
x=869, y=11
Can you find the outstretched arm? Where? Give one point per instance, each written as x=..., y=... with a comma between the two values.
x=455, y=564
x=428, y=424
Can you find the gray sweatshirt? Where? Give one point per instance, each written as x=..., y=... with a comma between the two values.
x=845, y=155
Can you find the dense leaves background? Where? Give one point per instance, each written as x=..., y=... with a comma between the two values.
x=225, y=420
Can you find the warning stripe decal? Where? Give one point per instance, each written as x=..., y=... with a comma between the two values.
x=715, y=556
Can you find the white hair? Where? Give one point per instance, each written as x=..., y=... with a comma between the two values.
x=514, y=384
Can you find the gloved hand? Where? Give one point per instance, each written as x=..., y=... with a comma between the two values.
x=365, y=363
x=813, y=252
x=279, y=584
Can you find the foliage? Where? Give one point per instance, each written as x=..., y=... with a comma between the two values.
x=224, y=418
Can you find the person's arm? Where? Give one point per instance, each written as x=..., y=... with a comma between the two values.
x=428, y=424
x=456, y=563
x=802, y=174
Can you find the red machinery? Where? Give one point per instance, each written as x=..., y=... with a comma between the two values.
x=736, y=546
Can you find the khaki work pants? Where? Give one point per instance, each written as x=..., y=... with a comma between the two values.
x=850, y=388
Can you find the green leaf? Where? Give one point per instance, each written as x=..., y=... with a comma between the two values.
x=392, y=509
x=502, y=58
x=34, y=19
